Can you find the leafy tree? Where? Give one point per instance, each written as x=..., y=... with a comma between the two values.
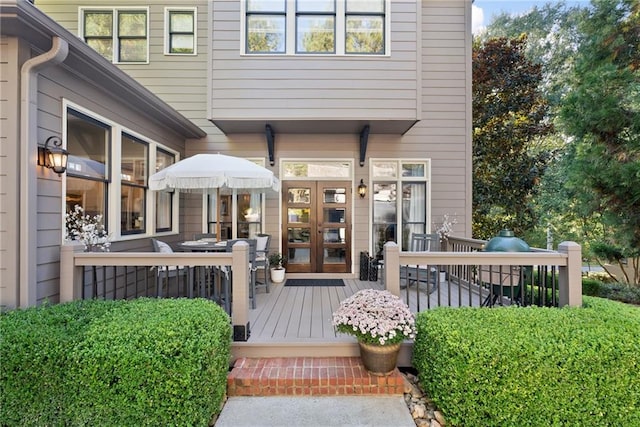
x=602, y=116
x=509, y=118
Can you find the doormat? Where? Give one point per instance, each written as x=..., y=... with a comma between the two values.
x=314, y=282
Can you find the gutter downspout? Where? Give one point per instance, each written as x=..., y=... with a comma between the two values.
x=28, y=215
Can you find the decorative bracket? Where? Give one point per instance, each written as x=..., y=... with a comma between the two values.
x=364, y=140
x=268, y=131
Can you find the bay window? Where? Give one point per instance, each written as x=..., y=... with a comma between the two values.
x=108, y=172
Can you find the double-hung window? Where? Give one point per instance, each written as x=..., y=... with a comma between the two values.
x=180, y=34
x=400, y=201
x=133, y=184
x=164, y=199
x=88, y=165
x=120, y=35
x=329, y=27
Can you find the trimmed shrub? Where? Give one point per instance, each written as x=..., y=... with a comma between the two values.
x=139, y=362
x=512, y=366
x=35, y=345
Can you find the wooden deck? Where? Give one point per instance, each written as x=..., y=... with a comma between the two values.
x=296, y=321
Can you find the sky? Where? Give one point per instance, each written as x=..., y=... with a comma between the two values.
x=484, y=10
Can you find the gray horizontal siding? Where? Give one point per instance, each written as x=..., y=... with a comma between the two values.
x=318, y=87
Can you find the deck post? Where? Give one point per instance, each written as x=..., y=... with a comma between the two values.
x=392, y=268
x=570, y=277
x=70, y=275
x=240, y=291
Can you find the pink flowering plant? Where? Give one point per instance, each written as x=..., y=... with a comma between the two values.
x=375, y=317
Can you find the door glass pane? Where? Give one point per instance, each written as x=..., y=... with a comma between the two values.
x=334, y=235
x=299, y=195
x=334, y=256
x=384, y=215
x=414, y=214
x=334, y=215
x=298, y=235
x=299, y=256
x=335, y=195
x=298, y=215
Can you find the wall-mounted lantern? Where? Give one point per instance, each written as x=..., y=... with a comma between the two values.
x=362, y=189
x=54, y=156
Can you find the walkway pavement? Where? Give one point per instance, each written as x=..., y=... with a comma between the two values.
x=320, y=411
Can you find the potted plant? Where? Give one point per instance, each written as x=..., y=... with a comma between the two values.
x=276, y=263
x=380, y=321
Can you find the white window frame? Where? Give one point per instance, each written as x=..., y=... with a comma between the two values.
x=167, y=26
x=113, y=186
x=399, y=180
x=114, y=31
x=340, y=34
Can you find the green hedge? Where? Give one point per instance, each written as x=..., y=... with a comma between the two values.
x=107, y=363
x=512, y=366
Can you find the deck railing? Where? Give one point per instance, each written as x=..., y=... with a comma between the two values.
x=463, y=275
x=123, y=275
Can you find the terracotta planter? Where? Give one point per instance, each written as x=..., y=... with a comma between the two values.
x=379, y=359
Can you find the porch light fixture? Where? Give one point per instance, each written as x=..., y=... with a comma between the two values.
x=54, y=156
x=362, y=189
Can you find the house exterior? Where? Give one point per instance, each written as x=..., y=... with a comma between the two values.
x=54, y=87
x=333, y=96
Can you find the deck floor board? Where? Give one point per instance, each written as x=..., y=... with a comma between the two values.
x=300, y=313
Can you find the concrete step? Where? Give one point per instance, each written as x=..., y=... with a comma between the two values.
x=309, y=376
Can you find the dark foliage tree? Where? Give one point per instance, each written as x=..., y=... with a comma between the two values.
x=509, y=116
x=602, y=115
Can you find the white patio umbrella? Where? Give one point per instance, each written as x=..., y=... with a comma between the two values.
x=208, y=173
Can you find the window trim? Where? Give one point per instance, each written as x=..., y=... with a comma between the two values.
x=340, y=32
x=115, y=59
x=113, y=205
x=167, y=30
x=400, y=180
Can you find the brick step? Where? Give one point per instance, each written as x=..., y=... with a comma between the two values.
x=308, y=376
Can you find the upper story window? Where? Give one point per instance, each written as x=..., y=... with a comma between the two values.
x=120, y=35
x=353, y=27
x=180, y=31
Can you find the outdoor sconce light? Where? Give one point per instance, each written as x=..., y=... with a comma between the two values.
x=54, y=156
x=362, y=189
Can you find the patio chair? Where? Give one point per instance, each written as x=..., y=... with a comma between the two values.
x=416, y=274
x=166, y=272
x=262, y=258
